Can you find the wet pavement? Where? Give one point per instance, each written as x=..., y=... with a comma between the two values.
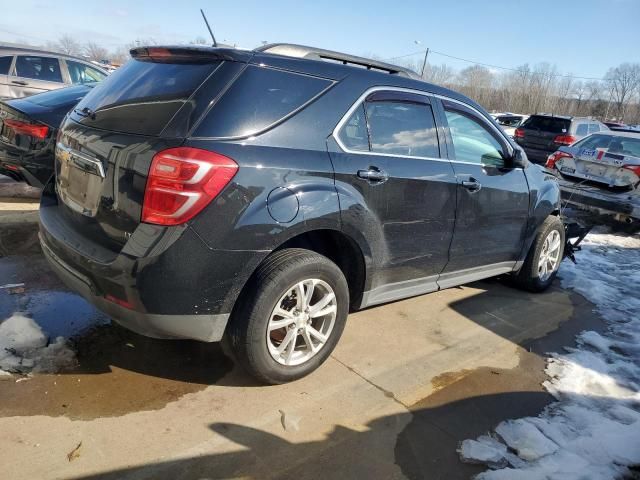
x=406, y=384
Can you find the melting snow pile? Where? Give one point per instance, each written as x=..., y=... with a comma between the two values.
x=25, y=348
x=593, y=430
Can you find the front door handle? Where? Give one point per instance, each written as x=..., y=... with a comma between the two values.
x=18, y=82
x=373, y=175
x=472, y=185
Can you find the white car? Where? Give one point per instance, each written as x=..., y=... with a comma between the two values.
x=509, y=121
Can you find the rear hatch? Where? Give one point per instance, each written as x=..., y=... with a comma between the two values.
x=612, y=160
x=107, y=143
x=541, y=132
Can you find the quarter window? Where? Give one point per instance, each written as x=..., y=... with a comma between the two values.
x=39, y=68
x=81, y=73
x=5, y=63
x=472, y=141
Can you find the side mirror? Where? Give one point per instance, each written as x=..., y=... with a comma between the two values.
x=518, y=159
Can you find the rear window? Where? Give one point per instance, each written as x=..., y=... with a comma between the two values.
x=258, y=99
x=547, y=124
x=57, y=98
x=142, y=96
x=612, y=144
x=5, y=63
x=46, y=69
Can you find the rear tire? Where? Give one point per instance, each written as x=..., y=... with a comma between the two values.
x=543, y=260
x=278, y=334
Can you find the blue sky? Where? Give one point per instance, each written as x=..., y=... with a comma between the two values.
x=582, y=37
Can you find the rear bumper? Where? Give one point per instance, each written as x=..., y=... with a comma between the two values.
x=625, y=205
x=206, y=328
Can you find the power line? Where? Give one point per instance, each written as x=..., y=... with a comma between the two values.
x=511, y=69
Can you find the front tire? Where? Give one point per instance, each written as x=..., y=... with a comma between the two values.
x=543, y=260
x=290, y=316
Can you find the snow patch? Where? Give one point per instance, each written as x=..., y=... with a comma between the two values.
x=25, y=348
x=592, y=431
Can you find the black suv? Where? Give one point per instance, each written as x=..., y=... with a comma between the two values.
x=263, y=194
x=542, y=134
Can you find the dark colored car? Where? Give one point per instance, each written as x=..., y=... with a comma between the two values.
x=541, y=135
x=28, y=129
x=263, y=194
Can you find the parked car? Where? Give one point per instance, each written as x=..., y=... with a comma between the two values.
x=25, y=72
x=542, y=134
x=261, y=195
x=510, y=121
x=28, y=130
x=601, y=174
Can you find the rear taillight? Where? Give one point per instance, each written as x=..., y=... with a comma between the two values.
x=564, y=139
x=634, y=168
x=554, y=157
x=182, y=181
x=24, y=128
x=519, y=133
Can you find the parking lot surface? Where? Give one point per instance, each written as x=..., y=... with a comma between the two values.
x=408, y=381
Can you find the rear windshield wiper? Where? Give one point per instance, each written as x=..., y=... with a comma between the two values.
x=85, y=112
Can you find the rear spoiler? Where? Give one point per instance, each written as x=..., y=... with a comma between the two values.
x=188, y=54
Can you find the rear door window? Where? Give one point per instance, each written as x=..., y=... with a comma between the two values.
x=257, y=100
x=594, y=127
x=38, y=68
x=402, y=128
x=354, y=135
x=547, y=124
x=5, y=64
x=142, y=96
x=81, y=73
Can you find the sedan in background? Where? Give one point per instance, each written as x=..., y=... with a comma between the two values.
x=25, y=71
x=601, y=174
x=28, y=130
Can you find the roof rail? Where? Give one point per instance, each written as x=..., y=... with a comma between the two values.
x=313, y=53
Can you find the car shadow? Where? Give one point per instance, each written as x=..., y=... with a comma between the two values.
x=421, y=444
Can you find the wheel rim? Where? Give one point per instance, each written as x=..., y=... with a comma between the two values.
x=301, y=322
x=549, y=255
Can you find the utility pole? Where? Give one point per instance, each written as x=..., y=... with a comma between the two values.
x=424, y=64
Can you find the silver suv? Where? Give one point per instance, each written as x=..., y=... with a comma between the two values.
x=25, y=72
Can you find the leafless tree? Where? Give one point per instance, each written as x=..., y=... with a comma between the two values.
x=68, y=45
x=623, y=81
x=95, y=51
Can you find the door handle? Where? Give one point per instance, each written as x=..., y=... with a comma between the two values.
x=373, y=175
x=18, y=82
x=472, y=185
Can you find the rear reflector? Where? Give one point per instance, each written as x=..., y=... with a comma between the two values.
x=118, y=301
x=554, y=157
x=25, y=128
x=519, y=133
x=564, y=139
x=182, y=181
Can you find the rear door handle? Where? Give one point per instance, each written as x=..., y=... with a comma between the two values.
x=373, y=175
x=472, y=185
x=18, y=82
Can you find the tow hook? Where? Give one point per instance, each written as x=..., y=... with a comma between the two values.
x=575, y=230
